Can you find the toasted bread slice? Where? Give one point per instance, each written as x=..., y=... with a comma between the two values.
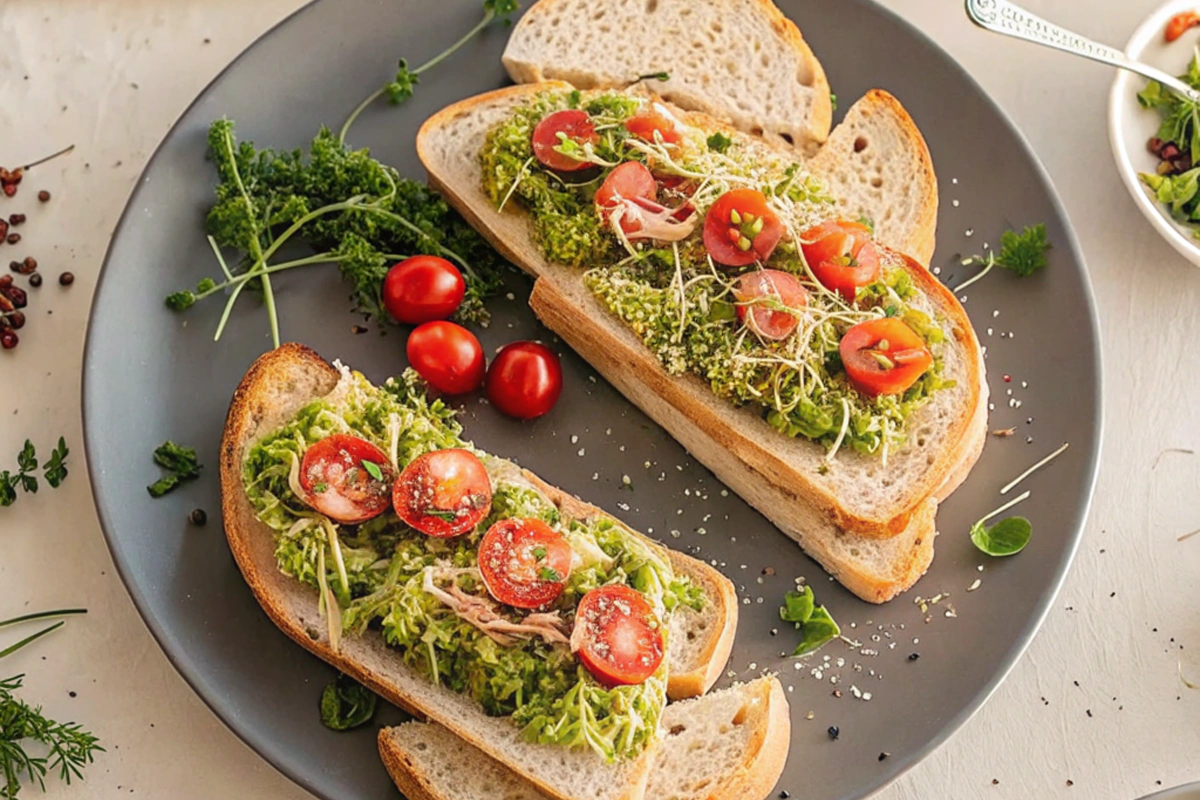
x=877, y=165
x=729, y=745
x=859, y=494
x=740, y=61
x=278, y=385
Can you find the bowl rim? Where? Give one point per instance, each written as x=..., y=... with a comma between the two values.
x=1122, y=88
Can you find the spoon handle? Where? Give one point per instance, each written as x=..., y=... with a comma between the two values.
x=1001, y=16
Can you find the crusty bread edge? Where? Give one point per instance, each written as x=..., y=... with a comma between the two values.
x=240, y=527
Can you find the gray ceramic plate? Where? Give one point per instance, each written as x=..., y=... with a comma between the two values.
x=151, y=375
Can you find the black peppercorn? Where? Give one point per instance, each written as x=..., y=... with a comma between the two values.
x=784, y=795
x=15, y=266
x=35, y=280
x=913, y=656
x=834, y=733
x=66, y=279
x=883, y=756
x=198, y=516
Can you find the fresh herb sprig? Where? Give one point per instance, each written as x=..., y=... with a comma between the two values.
x=180, y=463
x=815, y=624
x=66, y=747
x=346, y=704
x=353, y=210
x=1021, y=253
x=25, y=478
x=405, y=83
x=1008, y=536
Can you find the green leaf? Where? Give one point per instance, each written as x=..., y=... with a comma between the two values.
x=440, y=513
x=373, y=470
x=549, y=574
x=501, y=8
x=819, y=630
x=177, y=458
x=8, y=490
x=539, y=553
x=654, y=76
x=1153, y=96
x=162, y=486
x=27, y=458
x=869, y=223
x=56, y=467
x=205, y=285
x=719, y=142
x=1023, y=253
x=798, y=606
x=29, y=483
x=402, y=86
x=181, y=301
x=1006, y=538
x=347, y=704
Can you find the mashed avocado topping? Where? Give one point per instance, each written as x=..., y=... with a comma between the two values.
x=681, y=304
x=384, y=576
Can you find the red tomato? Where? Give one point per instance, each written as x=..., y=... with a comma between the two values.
x=524, y=380
x=841, y=256
x=741, y=228
x=883, y=356
x=443, y=493
x=337, y=477
x=617, y=635
x=446, y=355
x=575, y=125
x=422, y=289
x=1180, y=23
x=649, y=121
x=760, y=295
x=632, y=180
x=524, y=562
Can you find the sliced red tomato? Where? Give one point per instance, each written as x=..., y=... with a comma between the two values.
x=841, y=256
x=443, y=493
x=524, y=380
x=1179, y=24
x=764, y=297
x=524, y=562
x=650, y=121
x=630, y=181
x=446, y=355
x=740, y=228
x=571, y=124
x=346, y=478
x=617, y=635
x=423, y=288
x=884, y=356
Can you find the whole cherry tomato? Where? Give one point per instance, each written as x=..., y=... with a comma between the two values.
x=422, y=289
x=525, y=380
x=446, y=355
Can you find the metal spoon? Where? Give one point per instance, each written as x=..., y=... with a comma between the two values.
x=1001, y=16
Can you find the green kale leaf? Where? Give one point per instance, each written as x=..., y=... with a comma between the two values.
x=347, y=704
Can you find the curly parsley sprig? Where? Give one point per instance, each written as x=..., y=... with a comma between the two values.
x=405, y=83
x=25, y=478
x=1021, y=253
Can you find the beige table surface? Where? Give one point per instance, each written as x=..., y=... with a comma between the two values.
x=112, y=75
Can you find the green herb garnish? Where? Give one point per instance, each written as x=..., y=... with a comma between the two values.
x=373, y=470
x=346, y=704
x=1007, y=537
x=654, y=76
x=181, y=464
x=549, y=574
x=25, y=479
x=1021, y=253
x=440, y=513
x=719, y=142
x=539, y=553
x=815, y=624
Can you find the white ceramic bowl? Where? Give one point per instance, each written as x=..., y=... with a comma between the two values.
x=1130, y=126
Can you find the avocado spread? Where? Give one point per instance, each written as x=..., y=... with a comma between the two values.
x=374, y=576
x=681, y=304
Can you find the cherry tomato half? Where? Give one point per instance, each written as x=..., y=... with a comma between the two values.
x=883, y=356
x=763, y=299
x=524, y=562
x=617, y=636
x=524, y=380
x=446, y=355
x=1179, y=24
x=740, y=228
x=422, y=289
x=630, y=181
x=443, y=493
x=575, y=125
x=346, y=478
x=650, y=121
x=841, y=256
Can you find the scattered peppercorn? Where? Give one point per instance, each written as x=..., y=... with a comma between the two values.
x=35, y=280
x=72, y=694
x=1070, y=782
x=17, y=296
x=784, y=795
x=913, y=656
x=884, y=756
x=6, y=281
x=13, y=238
x=198, y=516
x=44, y=196
x=66, y=279
x=834, y=733
x=16, y=219
x=357, y=329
